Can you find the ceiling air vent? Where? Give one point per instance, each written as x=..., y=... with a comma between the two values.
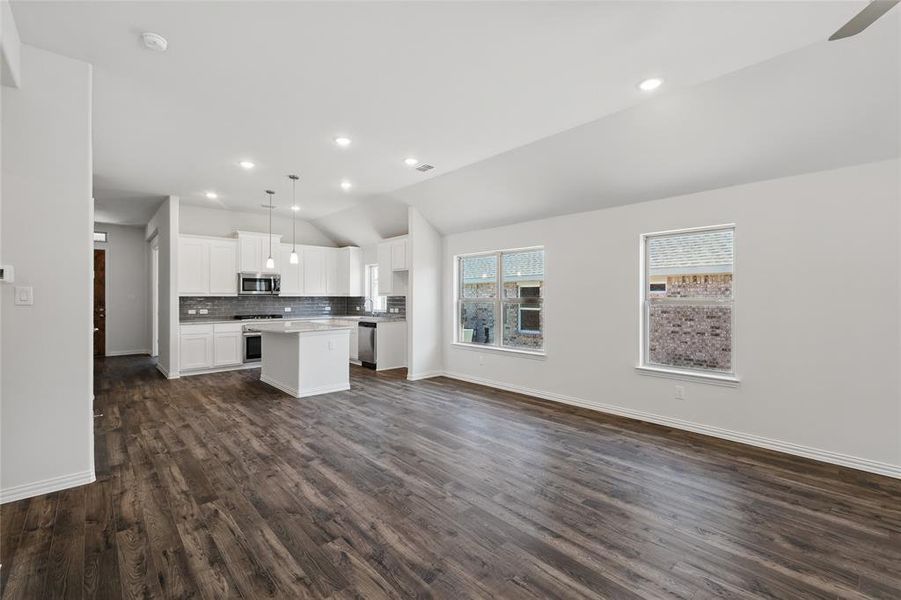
x=424, y=167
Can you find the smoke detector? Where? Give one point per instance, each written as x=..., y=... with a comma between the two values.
x=154, y=41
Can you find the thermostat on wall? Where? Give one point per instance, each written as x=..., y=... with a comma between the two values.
x=7, y=274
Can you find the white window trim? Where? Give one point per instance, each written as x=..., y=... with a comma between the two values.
x=644, y=367
x=498, y=302
x=379, y=303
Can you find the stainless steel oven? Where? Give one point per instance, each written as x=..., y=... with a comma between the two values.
x=252, y=284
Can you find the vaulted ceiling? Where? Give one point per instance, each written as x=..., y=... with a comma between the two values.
x=546, y=92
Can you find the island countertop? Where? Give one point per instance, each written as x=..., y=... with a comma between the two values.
x=297, y=327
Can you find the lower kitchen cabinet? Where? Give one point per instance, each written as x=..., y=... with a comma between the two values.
x=228, y=342
x=207, y=346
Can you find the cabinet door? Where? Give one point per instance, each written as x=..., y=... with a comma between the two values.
x=249, y=250
x=313, y=271
x=227, y=349
x=386, y=279
x=399, y=255
x=354, y=344
x=193, y=267
x=332, y=283
x=196, y=351
x=223, y=268
x=292, y=275
x=354, y=261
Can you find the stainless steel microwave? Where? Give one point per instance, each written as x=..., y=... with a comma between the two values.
x=254, y=284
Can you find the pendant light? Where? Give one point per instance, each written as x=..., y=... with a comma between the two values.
x=293, y=260
x=270, y=262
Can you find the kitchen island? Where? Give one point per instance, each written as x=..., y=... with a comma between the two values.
x=302, y=358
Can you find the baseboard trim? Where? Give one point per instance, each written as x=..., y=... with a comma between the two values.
x=424, y=375
x=54, y=484
x=325, y=389
x=280, y=386
x=127, y=352
x=165, y=372
x=826, y=456
x=240, y=367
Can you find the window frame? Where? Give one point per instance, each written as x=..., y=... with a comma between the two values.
x=645, y=366
x=105, y=235
x=498, y=301
x=379, y=303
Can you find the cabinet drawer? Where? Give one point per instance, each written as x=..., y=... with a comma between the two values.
x=227, y=328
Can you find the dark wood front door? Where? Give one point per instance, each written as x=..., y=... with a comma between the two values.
x=99, y=303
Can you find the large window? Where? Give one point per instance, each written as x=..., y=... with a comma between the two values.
x=500, y=299
x=687, y=300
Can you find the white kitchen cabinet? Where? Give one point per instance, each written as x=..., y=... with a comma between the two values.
x=399, y=254
x=314, y=271
x=193, y=266
x=391, y=282
x=195, y=347
x=332, y=285
x=223, y=267
x=207, y=266
x=355, y=342
x=292, y=275
x=349, y=271
x=253, y=250
x=228, y=342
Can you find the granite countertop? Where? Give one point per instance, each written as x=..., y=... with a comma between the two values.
x=289, y=326
x=214, y=320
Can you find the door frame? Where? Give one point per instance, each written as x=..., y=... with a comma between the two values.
x=154, y=297
x=105, y=298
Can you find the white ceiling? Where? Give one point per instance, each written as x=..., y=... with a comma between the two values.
x=824, y=106
x=451, y=83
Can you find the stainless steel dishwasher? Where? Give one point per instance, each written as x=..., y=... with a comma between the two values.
x=367, y=344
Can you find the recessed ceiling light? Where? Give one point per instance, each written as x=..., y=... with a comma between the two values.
x=246, y=164
x=295, y=208
x=154, y=41
x=212, y=195
x=649, y=85
x=342, y=141
x=346, y=185
x=411, y=162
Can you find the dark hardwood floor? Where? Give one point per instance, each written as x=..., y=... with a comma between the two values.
x=218, y=486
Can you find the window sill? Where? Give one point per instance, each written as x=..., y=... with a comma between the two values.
x=486, y=348
x=723, y=380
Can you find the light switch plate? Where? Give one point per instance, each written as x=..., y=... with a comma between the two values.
x=24, y=295
x=192, y=311
x=287, y=309
x=204, y=311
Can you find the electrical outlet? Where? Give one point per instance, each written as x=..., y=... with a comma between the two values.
x=679, y=393
x=358, y=309
x=481, y=360
x=331, y=344
x=287, y=309
x=328, y=308
x=204, y=311
x=192, y=311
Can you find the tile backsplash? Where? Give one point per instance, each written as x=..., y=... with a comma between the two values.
x=301, y=306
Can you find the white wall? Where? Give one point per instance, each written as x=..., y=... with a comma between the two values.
x=198, y=220
x=127, y=285
x=164, y=225
x=425, y=357
x=47, y=219
x=816, y=325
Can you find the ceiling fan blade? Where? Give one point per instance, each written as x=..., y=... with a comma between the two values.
x=863, y=19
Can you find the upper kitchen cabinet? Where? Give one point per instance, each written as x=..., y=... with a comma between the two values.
x=292, y=275
x=207, y=266
x=392, y=260
x=223, y=267
x=348, y=271
x=253, y=250
x=314, y=270
x=399, y=254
